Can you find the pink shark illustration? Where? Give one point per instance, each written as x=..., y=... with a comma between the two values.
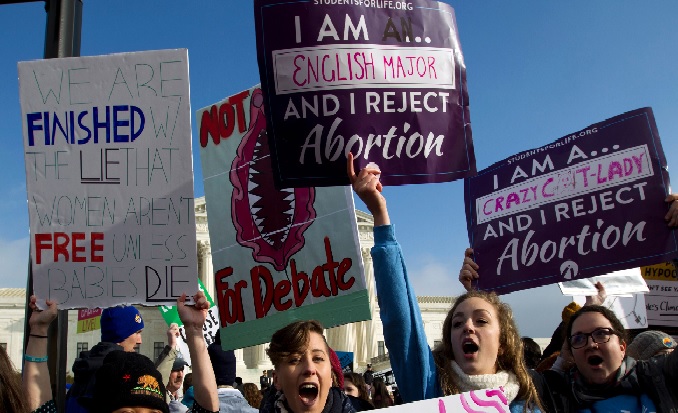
x=269, y=221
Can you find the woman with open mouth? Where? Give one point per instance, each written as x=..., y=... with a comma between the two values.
x=481, y=346
x=605, y=379
x=302, y=374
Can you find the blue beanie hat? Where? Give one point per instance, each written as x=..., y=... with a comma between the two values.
x=118, y=323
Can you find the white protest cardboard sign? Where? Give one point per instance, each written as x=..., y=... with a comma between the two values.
x=476, y=401
x=109, y=175
x=629, y=310
x=622, y=282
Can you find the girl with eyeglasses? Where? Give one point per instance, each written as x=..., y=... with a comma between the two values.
x=604, y=378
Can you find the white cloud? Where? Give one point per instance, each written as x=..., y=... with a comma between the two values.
x=13, y=263
x=432, y=277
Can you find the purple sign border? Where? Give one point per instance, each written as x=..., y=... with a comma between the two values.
x=338, y=176
x=658, y=162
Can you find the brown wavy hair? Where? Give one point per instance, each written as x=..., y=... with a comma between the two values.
x=509, y=359
x=292, y=339
x=380, y=397
x=12, y=397
x=359, y=382
x=252, y=394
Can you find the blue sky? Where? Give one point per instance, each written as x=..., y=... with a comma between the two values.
x=536, y=71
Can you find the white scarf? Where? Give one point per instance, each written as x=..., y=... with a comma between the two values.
x=505, y=379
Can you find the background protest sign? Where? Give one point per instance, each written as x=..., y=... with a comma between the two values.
x=475, y=401
x=385, y=81
x=630, y=310
x=210, y=328
x=109, y=175
x=279, y=255
x=89, y=320
x=346, y=360
x=623, y=282
x=587, y=204
x=662, y=300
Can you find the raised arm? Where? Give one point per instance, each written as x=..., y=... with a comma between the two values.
x=410, y=355
x=36, y=381
x=469, y=270
x=368, y=188
x=169, y=353
x=204, y=381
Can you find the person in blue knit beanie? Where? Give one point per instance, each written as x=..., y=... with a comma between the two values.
x=122, y=325
x=120, y=330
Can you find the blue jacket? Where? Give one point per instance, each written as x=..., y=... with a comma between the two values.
x=411, y=358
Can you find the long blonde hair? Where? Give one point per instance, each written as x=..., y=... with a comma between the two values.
x=509, y=359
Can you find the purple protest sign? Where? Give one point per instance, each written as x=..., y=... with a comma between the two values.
x=587, y=204
x=384, y=80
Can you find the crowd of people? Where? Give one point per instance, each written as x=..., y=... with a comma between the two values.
x=591, y=365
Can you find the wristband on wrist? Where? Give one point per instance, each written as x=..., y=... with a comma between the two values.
x=38, y=336
x=35, y=359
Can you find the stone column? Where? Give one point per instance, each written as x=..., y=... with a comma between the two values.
x=260, y=357
x=342, y=338
x=239, y=361
x=206, y=269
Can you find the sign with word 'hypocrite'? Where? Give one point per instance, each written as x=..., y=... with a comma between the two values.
x=662, y=300
x=279, y=255
x=109, y=174
x=590, y=203
x=384, y=80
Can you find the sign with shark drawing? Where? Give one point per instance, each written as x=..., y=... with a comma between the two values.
x=278, y=255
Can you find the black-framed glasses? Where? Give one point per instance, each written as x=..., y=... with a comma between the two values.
x=599, y=336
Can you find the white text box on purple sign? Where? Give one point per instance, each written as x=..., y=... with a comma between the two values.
x=369, y=66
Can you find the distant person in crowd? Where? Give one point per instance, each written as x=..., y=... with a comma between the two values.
x=651, y=343
x=381, y=398
x=175, y=383
x=171, y=365
x=252, y=395
x=36, y=394
x=397, y=398
x=238, y=384
x=129, y=382
x=303, y=373
x=265, y=389
x=531, y=353
x=187, y=400
x=223, y=363
x=176, y=378
x=121, y=328
x=481, y=346
x=356, y=389
x=368, y=375
x=264, y=380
